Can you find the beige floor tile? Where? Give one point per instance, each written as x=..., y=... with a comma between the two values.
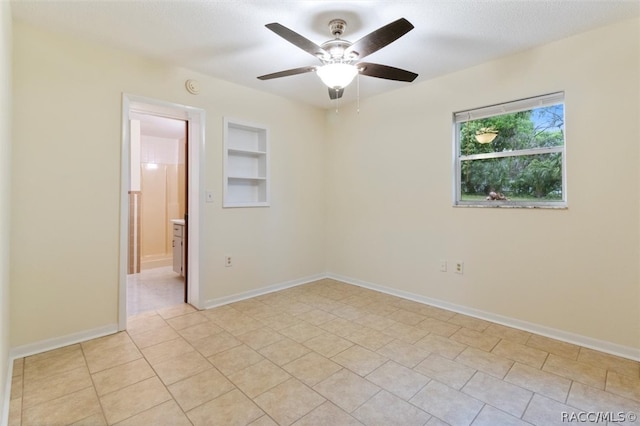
x=144, y=322
x=376, y=322
x=434, y=421
x=556, y=347
x=235, y=359
x=445, y=370
x=312, y=368
x=240, y=324
x=107, y=342
x=490, y=416
x=15, y=412
x=280, y=321
x=441, y=346
x=232, y=408
x=187, y=320
x=435, y=326
x=18, y=367
x=201, y=388
x=349, y=312
x=165, y=350
x=509, y=398
x=346, y=389
x=369, y=338
x=155, y=336
x=542, y=382
x=341, y=327
x=487, y=362
x=360, y=360
x=328, y=344
x=327, y=414
x=96, y=419
x=575, y=370
x=508, y=333
x=133, y=399
x=284, y=351
x=263, y=421
x=289, y=401
x=17, y=386
x=476, y=339
x=469, y=322
x=591, y=399
x=403, y=353
x=301, y=332
x=99, y=358
x=216, y=343
x=316, y=317
x=295, y=308
x=167, y=413
x=437, y=313
x=406, y=317
x=385, y=408
x=53, y=362
x=66, y=409
x=199, y=331
x=406, y=333
x=450, y=405
x=259, y=378
x=547, y=412
x=624, y=386
x=121, y=376
x=177, y=310
x=398, y=380
x=180, y=367
x=380, y=308
x=259, y=338
x=54, y=386
x=609, y=362
x=521, y=353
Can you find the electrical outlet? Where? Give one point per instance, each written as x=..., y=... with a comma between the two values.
x=227, y=261
x=443, y=266
x=459, y=267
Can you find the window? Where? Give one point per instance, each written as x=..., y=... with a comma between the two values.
x=512, y=154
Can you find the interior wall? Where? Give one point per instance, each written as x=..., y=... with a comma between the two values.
x=390, y=172
x=5, y=190
x=66, y=184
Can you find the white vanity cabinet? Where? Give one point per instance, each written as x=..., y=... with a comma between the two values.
x=178, y=246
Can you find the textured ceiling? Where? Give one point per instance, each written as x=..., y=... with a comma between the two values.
x=228, y=40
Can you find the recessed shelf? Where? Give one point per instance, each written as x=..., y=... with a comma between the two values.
x=246, y=166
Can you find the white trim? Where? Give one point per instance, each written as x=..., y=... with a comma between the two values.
x=195, y=118
x=565, y=336
x=509, y=107
x=59, y=342
x=212, y=303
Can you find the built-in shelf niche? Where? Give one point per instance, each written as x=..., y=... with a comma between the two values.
x=246, y=165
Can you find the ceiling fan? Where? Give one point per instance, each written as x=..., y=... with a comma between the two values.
x=341, y=59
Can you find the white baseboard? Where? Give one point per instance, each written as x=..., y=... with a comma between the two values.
x=212, y=303
x=565, y=336
x=59, y=342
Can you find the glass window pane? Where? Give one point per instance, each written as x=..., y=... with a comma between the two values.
x=521, y=178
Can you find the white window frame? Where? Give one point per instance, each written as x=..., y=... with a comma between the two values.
x=500, y=109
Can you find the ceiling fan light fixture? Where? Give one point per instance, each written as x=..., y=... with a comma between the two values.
x=337, y=75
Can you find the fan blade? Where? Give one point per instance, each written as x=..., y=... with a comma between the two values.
x=296, y=39
x=385, y=71
x=287, y=73
x=335, y=93
x=379, y=38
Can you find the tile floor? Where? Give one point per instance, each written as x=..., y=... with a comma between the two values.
x=153, y=289
x=325, y=353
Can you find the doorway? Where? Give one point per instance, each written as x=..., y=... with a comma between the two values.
x=136, y=110
x=156, y=268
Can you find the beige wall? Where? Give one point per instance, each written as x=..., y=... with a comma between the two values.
x=390, y=214
x=5, y=188
x=66, y=172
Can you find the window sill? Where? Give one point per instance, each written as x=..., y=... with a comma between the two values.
x=507, y=205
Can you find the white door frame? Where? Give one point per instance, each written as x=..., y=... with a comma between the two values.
x=195, y=118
